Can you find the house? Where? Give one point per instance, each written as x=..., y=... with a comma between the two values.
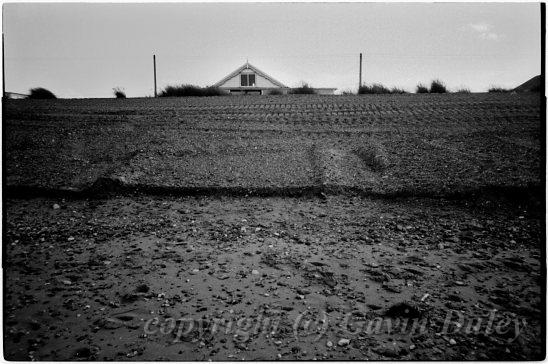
x=248, y=79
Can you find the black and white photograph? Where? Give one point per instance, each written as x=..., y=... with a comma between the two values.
x=273, y=181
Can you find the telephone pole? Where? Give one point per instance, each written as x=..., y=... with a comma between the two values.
x=154, y=62
x=360, y=85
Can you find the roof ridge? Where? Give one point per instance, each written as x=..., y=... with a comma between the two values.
x=248, y=65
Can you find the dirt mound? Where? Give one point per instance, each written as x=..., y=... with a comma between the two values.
x=532, y=85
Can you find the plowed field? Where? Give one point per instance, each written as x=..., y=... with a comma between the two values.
x=381, y=144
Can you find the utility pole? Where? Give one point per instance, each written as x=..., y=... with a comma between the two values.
x=360, y=85
x=154, y=62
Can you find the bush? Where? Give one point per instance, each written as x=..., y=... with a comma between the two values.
x=304, y=89
x=375, y=88
x=191, y=90
x=437, y=87
x=422, y=89
x=119, y=93
x=378, y=88
x=275, y=92
x=494, y=89
x=397, y=90
x=347, y=93
x=40, y=93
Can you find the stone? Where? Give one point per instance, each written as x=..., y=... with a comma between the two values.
x=343, y=342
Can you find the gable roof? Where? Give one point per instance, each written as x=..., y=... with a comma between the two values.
x=247, y=65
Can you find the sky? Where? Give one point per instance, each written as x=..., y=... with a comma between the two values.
x=86, y=49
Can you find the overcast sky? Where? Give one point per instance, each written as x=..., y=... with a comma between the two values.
x=84, y=50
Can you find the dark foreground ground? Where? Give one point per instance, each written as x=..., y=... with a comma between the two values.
x=228, y=228
x=153, y=278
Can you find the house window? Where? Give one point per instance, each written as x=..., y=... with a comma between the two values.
x=247, y=79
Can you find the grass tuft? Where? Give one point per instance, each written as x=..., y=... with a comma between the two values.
x=191, y=90
x=495, y=89
x=376, y=88
x=438, y=87
x=304, y=89
x=421, y=89
x=119, y=93
x=397, y=90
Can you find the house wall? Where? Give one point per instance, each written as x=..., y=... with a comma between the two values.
x=259, y=81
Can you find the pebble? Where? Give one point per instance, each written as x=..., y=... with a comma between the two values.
x=343, y=342
x=329, y=344
x=56, y=206
x=255, y=272
x=452, y=342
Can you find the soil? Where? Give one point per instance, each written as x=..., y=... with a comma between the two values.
x=382, y=144
x=274, y=228
x=293, y=278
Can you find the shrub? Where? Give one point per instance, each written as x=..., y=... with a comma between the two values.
x=191, y=90
x=397, y=90
x=275, y=92
x=437, y=87
x=119, y=93
x=40, y=93
x=463, y=90
x=494, y=89
x=347, y=93
x=422, y=89
x=378, y=88
x=375, y=88
x=304, y=89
